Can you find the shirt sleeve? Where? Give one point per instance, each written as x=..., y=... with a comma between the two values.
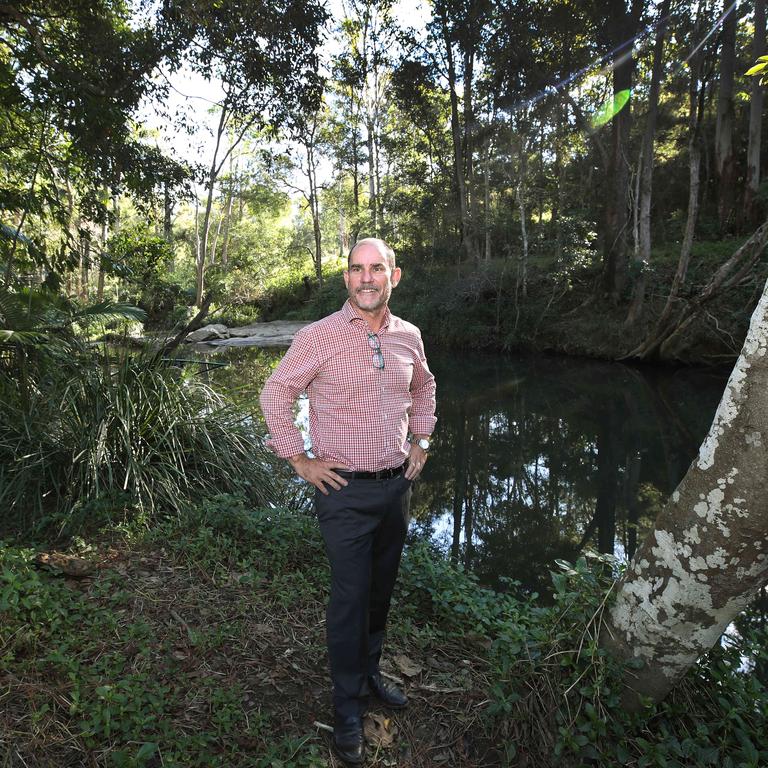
x=291, y=377
x=422, y=419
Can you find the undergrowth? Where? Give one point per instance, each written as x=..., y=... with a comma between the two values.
x=200, y=642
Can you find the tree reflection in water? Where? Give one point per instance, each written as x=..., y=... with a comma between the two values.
x=538, y=458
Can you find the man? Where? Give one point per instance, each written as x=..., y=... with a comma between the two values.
x=371, y=412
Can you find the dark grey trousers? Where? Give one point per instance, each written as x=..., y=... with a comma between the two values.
x=364, y=526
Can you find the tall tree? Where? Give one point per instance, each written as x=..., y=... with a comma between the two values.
x=621, y=28
x=645, y=171
x=755, y=120
x=264, y=55
x=73, y=75
x=457, y=27
x=725, y=161
x=369, y=33
x=696, y=93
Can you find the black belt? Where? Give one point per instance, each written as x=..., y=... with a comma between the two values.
x=382, y=474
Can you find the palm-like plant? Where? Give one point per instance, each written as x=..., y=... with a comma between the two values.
x=80, y=425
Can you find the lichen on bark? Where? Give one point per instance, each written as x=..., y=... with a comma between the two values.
x=705, y=559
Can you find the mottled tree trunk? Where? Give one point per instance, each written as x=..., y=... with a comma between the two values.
x=708, y=553
x=372, y=204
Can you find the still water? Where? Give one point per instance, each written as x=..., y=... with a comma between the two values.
x=537, y=458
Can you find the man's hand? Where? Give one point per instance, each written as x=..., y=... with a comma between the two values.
x=417, y=458
x=318, y=472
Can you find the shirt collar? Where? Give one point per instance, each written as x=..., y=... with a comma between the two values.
x=349, y=313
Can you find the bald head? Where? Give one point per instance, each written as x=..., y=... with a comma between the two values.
x=379, y=245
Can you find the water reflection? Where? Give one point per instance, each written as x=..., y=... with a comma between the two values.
x=536, y=458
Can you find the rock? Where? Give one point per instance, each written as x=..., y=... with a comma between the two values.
x=208, y=332
x=278, y=333
x=278, y=328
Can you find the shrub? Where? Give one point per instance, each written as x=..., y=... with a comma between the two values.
x=134, y=431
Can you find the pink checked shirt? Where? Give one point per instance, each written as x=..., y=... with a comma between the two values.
x=359, y=415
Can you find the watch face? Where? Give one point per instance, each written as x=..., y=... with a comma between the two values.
x=423, y=444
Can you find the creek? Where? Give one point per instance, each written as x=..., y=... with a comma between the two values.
x=538, y=458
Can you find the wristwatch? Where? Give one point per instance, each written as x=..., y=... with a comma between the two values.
x=422, y=442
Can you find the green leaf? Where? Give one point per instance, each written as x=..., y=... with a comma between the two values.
x=146, y=750
x=757, y=69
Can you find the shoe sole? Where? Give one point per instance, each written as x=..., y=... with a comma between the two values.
x=346, y=760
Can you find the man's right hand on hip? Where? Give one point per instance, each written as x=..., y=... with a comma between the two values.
x=318, y=472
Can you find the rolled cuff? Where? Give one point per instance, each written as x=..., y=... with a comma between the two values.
x=422, y=425
x=285, y=447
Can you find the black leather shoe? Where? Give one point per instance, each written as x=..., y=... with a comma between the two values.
x=387, y=693
x=348, y=741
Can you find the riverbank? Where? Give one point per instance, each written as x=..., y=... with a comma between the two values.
x=556, y=308
x=200, y=642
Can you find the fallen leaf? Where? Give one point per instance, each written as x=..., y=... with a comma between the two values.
x=379, y=730
x=406, y=666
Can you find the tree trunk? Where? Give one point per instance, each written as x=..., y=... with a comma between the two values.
x=469, y=149
x=372, y=205
x=696, y=93
x=724, y=159
x=522, y=262
x=623, y=25
x=85, y=259
x=646, y=172
x=458, y=154
x=355, y=164
x=202, y=251
x=102, y=256
x=233, y=169
x=706, y=557
x=487, y=197
x=558, y=207
x=751, y=211
x=167, y=213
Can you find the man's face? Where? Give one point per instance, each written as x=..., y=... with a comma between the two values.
x=369, y=279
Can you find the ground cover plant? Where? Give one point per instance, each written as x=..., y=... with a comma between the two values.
x=200, y=641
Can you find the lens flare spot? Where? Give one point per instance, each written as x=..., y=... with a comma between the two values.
x=611, y=108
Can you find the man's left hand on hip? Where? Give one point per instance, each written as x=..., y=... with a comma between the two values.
x=417, y=458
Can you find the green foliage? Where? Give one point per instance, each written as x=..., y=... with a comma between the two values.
x=142, y=260
x=128, y=688
x=556, y=696
x=759, y=69
x=82, y=430
x=132, y=684
x=223, y=532
x=132, y=430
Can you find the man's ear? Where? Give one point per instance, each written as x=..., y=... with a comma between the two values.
x=396, y=275
x=346, y=277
